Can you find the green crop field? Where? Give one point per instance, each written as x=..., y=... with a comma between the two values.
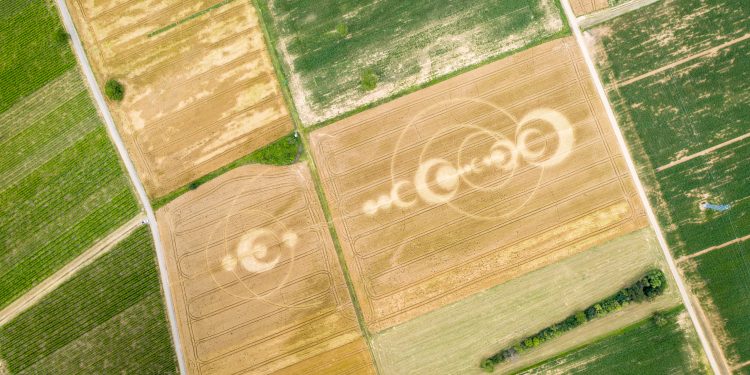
x=643, y=348
x=681, y=92
x=722, y=177
x=30, y=54
x=61, y=183
x=725, y=278
x=109, y=318
x=341, y=55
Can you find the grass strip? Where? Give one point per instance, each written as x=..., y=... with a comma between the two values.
x=188, y=18
x=284, y=151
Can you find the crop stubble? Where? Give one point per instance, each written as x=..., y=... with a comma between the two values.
x=280, y=308
x=198, y=95
x=410, y=253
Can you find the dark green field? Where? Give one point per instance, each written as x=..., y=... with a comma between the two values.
x=109, y=318
x=328, y=47
x=726, y=276
x=696, y=105
x=30, y=54
x=643, y=348
x=61, y=183
x=722, y=177
x=643, y=40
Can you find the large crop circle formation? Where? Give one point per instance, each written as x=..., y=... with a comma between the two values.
x=483, y=156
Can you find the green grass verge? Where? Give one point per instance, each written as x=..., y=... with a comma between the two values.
x=30, y=54
x=109, y=318
x=330, y=66
x=283, y=151
x=642, y=348
x=725, y=276
x=188, y=18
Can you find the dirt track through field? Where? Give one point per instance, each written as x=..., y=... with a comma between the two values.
x=472, y=182
x=712, y=248
x=200, y=87
x=257, y=283
x=702, y=153
x=63, y=274
x=664, y=68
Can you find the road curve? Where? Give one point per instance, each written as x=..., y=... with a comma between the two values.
x=707, y=347
x=101, y=105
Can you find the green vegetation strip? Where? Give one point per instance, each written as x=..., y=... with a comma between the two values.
x=109, y=318
x=657, y=345
x=284, y=151
x=188, y=18
x=648, y=287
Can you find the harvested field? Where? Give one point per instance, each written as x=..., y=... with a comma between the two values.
x=643, y=348
x=456, y=338
x=474, y=181
x=108, y=318
x=327, y=46
x=255, y=277
x=681, y=93
x=200, y=88
x=581, y=7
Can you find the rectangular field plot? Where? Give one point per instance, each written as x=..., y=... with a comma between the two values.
x=255, y=277
x=643, y=348
x=328, y=46
x=200, y=89
x=456, y=338
x=581, y=7
x=61, y=183
x=108, y=318
x=721, y=281
x=681, y=93
x=474, y=181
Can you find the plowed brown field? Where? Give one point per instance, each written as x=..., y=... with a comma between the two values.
x=200, y=88
x=255, y=277
x=474, y=181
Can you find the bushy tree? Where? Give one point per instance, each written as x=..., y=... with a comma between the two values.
x=114, y=90
x=368, y=79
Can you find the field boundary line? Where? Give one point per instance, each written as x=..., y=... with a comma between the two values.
x=704, y=152
x=684, y=294
x=101, y=105
x=712, y=248
x=592, y=19
x=692, y=57
x=62, y=275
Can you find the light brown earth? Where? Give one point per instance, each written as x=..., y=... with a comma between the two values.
x=428, y=212
x=198, y=96
x=281, y=304
x=581, y=7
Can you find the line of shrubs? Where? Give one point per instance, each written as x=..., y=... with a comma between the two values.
x=648, y=287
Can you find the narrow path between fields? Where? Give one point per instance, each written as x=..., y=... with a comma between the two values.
x=704, y=152
x=712, y=248
x=114, y=135
x=708, y=345
x=741, y=365
x=692, y=57
x=62, y=275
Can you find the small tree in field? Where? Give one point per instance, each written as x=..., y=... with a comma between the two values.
x=342, y=29
x=62, y=36
x=368, y=79
x=114, y=90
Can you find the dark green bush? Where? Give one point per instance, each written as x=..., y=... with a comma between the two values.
x=648, y=287
x=114, y=90
x=62, y=36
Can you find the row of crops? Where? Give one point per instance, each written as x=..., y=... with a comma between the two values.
x=109, y=318
x=62, y=185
